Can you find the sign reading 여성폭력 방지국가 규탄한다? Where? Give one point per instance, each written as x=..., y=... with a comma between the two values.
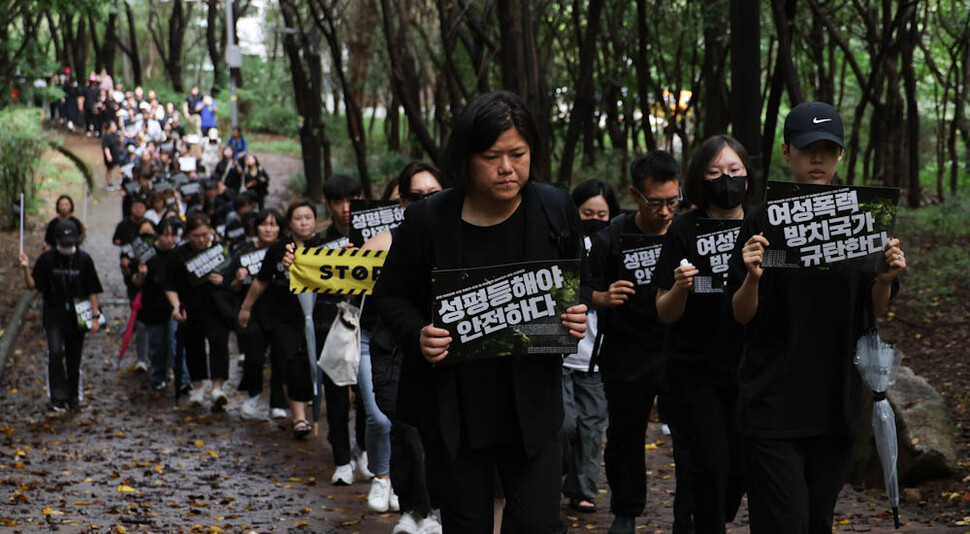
x=503, y=310
x=828, y=226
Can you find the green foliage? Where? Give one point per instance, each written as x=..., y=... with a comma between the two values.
x=22, y=142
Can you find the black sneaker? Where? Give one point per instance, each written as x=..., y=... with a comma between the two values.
x=158, y=386
x=74, y=405
x=623, y=525
x=58, y=406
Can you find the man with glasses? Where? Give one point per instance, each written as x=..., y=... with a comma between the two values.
x=630, y=354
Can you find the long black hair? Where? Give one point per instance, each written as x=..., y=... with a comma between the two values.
x=477, y=128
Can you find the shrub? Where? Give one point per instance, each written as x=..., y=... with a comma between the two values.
x=22, y=142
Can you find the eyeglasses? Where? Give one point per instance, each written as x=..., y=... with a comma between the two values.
x=414, y=197
x=656, y=204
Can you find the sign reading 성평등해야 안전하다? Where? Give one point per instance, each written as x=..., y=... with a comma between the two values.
x=503, y=310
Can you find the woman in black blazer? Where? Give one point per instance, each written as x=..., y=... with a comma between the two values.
x=495, y=415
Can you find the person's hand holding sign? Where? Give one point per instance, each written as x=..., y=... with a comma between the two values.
x=288, y=257
x=575, y=320
x=753, y=254
x=684, y=275
x=895, y=260
x=434, y=342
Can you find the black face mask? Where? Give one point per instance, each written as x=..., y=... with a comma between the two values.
x=591, y=226
x=726, y=192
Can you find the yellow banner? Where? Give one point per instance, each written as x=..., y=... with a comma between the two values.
x=339, y=271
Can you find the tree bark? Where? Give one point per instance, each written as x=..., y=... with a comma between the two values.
x=643, y=75
x=216, y=38
x=584, y=101
x=325, y=19
x=746, y=76
x=132, y=51
x=714, y=104
x=404, y=79
x=909, y=37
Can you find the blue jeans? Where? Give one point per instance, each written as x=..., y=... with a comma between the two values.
x=378, y=425
x=161, y=347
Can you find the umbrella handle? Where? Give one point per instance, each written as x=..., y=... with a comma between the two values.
x=896, y=516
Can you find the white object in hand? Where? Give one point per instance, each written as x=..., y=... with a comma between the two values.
x=684, y=262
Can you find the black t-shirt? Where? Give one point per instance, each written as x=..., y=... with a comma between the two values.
x=62, y=279
x=196, y=298
x=632, y=333
x=155, y=306
x=52, y=227
x=193, y=101
x=705, y=344
x=126, y=231
x=485, y=391
x=796, y=377
x=113, y=143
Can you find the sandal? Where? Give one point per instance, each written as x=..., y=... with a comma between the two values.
x=301, y=428
x=582, y=506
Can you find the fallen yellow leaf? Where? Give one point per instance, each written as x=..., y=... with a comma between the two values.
x=650, y=446
x=124, y=488
x=301, y=524
x=198, y=443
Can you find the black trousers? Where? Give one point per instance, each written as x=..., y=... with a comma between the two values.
x=683, y=472
x=64, y=346
x=201, y=326
x=794, y=483
x=408, y=474
x=704, y=416
x=253, y=341
x=466, y=485
x=629, y=404
x=337, y=400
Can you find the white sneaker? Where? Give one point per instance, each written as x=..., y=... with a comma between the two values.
x=407, y=525
x=393, y=503
x=219, y=399
x=141, y=367
x=196, y=396
x=358, y=460
x=277, y=413
x=343, y=475
x=665, y=430
x=380, y=494
x=430, y=525
x=250, y=409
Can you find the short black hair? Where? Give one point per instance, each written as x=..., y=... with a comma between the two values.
x=245, y=198
x=408, y=172
x=594, y=188
x=68, y=199
x=657, y=166
x=168, y=222
x=267, y=213
x=703, y=155
x=341, y=186
x=479, y=125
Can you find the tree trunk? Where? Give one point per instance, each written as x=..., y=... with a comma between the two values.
x=714, y=104
x=746, y=76
x=404, y=78
x=910, y=34
x=643, y=75
x=584, y=101
x=307, y=77
x=215, y=38
x=326, y=21
x=132, y=52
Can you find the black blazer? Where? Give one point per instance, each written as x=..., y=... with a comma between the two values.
x=429, y=239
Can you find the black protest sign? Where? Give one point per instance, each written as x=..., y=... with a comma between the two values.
x=503, y=310
x=85, y=315
x=336, y=243
x=142, y=248
x=253, y=262
x=190, y=188
x=713, y=246
x=638, y=257
x=371, y=217
x=209, y=260
x=828, y=226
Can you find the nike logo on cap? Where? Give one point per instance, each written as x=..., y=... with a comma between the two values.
x=816, y=120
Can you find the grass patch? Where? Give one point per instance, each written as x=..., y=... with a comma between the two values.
x=290, y=147
x=937, y=243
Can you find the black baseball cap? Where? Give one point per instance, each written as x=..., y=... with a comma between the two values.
x=66, y=233
x=813, y=121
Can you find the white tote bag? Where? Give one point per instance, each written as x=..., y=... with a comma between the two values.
x=340, y=356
